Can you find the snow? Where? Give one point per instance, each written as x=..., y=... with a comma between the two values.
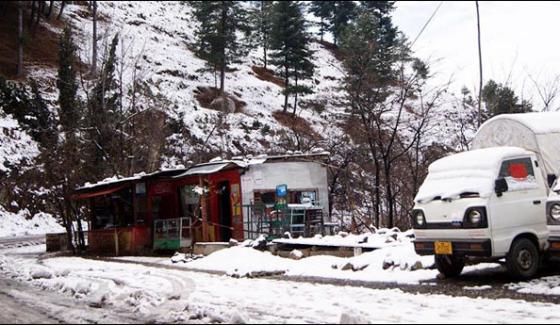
x=182, y=296
x=539, y=123
x=378, y=239
x=23, y=224
x=545, y=286
x=470, y=171
x=16, y=146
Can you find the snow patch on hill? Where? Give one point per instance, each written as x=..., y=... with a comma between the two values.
x=23, y=224
x=16, y=146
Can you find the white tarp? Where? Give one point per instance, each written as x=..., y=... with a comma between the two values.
x=536, y=132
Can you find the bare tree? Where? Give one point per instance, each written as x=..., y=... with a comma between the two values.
x=548, y=91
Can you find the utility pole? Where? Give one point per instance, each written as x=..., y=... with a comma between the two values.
x=479, y=66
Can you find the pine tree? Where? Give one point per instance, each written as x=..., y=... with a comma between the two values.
x=344, y=13
x=289, y=42
x=103, y=119
x=323, y=10
x=500, y=99
x=217, y=41
x=261, y=21
x=70, y=112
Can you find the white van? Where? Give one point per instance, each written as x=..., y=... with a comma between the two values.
x=553, y=219
x=491, y=202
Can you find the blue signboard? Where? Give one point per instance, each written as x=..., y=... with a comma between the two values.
x=282, y=190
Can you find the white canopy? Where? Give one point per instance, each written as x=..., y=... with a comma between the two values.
x=536, y=132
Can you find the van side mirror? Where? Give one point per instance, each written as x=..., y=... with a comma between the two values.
x=500, y=186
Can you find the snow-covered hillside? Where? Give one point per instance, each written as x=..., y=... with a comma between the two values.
x=156, y=37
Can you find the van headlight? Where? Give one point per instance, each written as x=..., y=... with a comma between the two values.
x=555, y=211
x=475, y=217
x=419, y=218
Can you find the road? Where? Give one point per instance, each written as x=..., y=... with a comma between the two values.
x=25, y=304
x=95, y=291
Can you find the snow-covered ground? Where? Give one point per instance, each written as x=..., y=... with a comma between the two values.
x=23, y=224
x=394, y=262
x=164, y=295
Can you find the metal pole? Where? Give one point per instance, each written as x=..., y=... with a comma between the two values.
x=480, y=66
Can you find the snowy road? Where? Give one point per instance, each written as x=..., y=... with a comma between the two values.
x=65, y=289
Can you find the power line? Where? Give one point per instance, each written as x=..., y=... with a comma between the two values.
x=426, y=24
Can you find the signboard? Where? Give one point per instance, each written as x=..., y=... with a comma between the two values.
x=281, y=196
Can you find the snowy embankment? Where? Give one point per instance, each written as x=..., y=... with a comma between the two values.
x=23, y=224
x=394, y=261
x=163, y=295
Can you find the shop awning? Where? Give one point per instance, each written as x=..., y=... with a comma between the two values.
x=204, y=169
x=96, y=193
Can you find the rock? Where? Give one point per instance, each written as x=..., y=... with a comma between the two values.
x=417, y=266
x=346, y=318
x=41, y=274
x=259, y=243
x=347, y=266
x=223, y=104
x=233, y=243
x=296, y=255
x=343, y=234
x=239, y=317
x=404, y=266
x=359, y=268
x=388, y=264
x=334, y=267
x=178, y=257
x=287, y=235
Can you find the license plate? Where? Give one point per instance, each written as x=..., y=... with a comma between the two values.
x=443, y=248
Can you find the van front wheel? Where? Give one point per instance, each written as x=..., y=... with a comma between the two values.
x=523, y=259
x=450, y=266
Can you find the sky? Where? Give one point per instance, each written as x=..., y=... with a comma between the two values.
x=519, y=42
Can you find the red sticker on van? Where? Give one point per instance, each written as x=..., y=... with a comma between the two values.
x=518, y=171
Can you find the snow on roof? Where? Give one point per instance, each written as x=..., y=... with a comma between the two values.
x=213, y=166
x=487, y=158
x=539, y=123
x=470, y=171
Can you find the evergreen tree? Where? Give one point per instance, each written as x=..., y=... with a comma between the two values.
x=289, y=42
x=30, y=110
x=500, y=99
x=103, y=119
x=69, y=111
x=323, y=10
x=344, y=12
x=261, y=21
x=217, y=41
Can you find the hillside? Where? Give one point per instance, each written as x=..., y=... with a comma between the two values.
x=172, y=87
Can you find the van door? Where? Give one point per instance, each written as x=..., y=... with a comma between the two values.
x=522, y=207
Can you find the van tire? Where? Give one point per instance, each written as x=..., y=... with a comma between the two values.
x=523, y=259
x=450, y=266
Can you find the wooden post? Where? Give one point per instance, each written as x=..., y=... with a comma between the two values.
x=116, y=238
x=204, y=212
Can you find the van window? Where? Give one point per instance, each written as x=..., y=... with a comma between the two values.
x=519, y=174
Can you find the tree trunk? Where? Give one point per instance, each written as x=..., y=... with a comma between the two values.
x=20, y=40
x=33, y=10
x=62, y=4
x=50, y=9
x=222, y=78
x=295, y=94
x=94, y=41
x=286, y=84
x=390, y=199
